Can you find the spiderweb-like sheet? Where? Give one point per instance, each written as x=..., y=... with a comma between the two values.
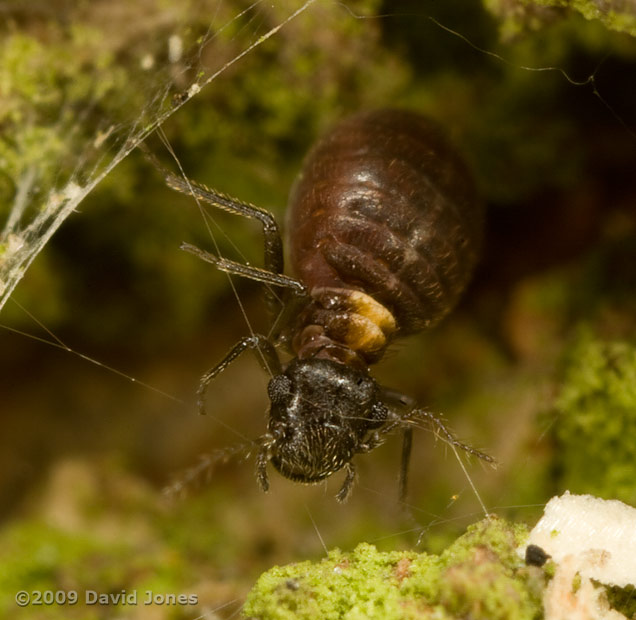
x=83, y=85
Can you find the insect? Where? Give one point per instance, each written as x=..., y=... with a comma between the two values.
x=384, y=230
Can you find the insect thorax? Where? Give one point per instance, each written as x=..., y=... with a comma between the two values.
x=343, y=325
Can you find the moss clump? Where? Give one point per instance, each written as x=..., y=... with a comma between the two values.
x=478, y=576
x=43, y=82
x=597, y=420
x=614, y=14
x=520, y=15
x=623, y=600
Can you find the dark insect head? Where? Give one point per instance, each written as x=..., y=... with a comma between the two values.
x=320, y=417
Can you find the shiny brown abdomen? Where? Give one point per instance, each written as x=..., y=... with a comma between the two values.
x=385, y=206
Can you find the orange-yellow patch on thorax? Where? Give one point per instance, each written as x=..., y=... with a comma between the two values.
x=370, y=324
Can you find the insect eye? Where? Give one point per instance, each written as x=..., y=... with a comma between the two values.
x=279, y=389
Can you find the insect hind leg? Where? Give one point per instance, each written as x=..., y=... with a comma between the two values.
x=247, y=271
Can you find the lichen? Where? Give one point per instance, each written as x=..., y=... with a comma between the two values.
x=479, y=576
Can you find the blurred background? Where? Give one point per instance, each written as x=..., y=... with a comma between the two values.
x=536, y=366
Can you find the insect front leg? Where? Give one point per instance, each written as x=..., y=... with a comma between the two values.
x=266, y=355
x=262, y=458
x=407, y=444
x=199, y=474
x=347, y=486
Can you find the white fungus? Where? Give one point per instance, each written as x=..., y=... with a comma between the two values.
x=599, y=534
x=587, y=538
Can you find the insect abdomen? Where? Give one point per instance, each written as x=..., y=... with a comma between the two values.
x=386, y=208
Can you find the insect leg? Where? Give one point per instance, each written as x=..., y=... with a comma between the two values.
x=378, y=437
x=442, y=430
x=347, y=486
x=406, y=415
x=407, y=443
x=266, y=354
x=410, y=417
x=271, y=233
x=247, y=271
x=262, y=458
x=273, y=244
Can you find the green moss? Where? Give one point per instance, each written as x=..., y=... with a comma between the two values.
x=596, y=422
x=616, y=15
x=95, y=531
x=45, y=77
x=520, y=16
x=39, y=557
x=479, y=576
x=623, y=600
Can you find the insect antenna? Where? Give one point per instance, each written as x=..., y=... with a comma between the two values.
x=199, y=475
x=441, y=431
